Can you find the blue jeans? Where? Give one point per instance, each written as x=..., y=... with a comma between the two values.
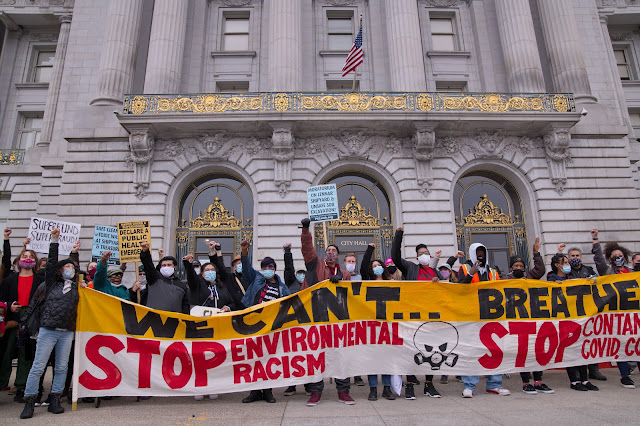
x=373, y=380
x=624, y=368
x=48, y=339
x=493, y=381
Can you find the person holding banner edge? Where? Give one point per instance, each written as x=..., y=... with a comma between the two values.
x=265, y=286
x=57, y=327
x=318, y=271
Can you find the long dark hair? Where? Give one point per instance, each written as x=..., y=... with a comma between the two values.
x=385, y=271
x=219, y=282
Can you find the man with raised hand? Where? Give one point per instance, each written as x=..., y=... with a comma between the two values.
x=165, y=291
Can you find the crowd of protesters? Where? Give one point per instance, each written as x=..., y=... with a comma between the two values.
x=39, y=297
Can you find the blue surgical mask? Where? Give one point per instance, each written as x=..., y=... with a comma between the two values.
x=378, y=270
x=239, y=268
x=566, y=269
x=300, y=278
x=67, y=274
x=210, y=275
x=268, y=273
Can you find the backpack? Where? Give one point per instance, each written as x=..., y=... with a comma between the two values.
x=31, y=320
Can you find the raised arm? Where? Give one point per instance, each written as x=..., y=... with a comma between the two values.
x=538, y=269
x=246, y=265
x=396, y=256
x=52, y=259
x=215, y=257
x=100, y=278
x=598, y=256
x=6, y=254
x=149, y=267
x=365, y=265
x=289, y=269
x=192, y=277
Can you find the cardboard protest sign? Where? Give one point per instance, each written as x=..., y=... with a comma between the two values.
x=105, y=238
x=323, y=203
x=130, y=235
x=356, y=328
x=40, y=235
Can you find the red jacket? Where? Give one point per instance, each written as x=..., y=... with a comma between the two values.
x=317, y=270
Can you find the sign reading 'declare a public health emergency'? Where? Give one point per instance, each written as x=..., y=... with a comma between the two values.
x=130, y=235
x=355, y=328
x=40, y=235
x=323, y=203
x=105, y=238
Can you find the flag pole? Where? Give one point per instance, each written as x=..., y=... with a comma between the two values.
x=353, y=88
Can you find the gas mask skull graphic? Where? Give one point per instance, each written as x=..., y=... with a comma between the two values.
x=435, y=341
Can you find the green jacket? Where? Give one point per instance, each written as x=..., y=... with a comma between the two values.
x=101, y=283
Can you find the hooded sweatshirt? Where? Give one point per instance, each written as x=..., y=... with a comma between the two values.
x=485, y=273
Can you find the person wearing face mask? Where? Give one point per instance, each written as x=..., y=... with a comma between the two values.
x=392, y=269
x=265, y=286
x=17, y=290
x=57, y=327
x=317, y=271
x=635, y=262
x=350, y=263
x=423, y=271
x=236, y=265
x=164, y=289
x=109, y=279
x=141, y=285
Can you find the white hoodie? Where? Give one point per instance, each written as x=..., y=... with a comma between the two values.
x=474, y=257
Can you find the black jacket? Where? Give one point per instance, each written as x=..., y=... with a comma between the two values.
x=60, y=309
x=9, y=292
x=290, y=272
x=229, y=293
x=6, y=261
x=165, y=294
x=365, y=266
x=409, y=270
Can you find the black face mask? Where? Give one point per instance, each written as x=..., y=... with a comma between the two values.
x=636, y=267
x=392, y=269
x=518, y=273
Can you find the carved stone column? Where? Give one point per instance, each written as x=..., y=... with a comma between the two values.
x=405, y=46
x=560, y=32
x=166, y=46
x=119, y=51
x=282, y=151
x=556, y=146
x=53, y=94
x=423, y=152
x=141, y=143
x=285, y=55
x=519, y=47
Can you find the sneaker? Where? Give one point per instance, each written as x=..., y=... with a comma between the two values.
x=314, y=400
x=591, y=386
x=529, y=389
x=542, y=388
x=373, y=394
x=430, y=390
x=213, y=396
x=357, y=380
x=444, y=380
x=408, y=392
x=499, y=391
x=198, y=397
x=344, y=397
x=291, y=390
x=627, y=383
x=579, y=387
x=467, y=393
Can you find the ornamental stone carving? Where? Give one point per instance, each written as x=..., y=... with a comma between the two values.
x=488, y=145
x=141, y=145
x=423, y=151
x=236, y=3
x=441, y=3
x=282, y=149
x=556, y=146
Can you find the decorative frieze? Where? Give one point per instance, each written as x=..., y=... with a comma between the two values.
x=556, y=146
x=141, y=145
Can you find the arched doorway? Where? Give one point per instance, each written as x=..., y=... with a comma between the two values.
x=489, y=210
x=365, y=217
x=218, y=207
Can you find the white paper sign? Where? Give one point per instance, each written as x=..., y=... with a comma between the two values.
x=323, y=203
x=40, y=235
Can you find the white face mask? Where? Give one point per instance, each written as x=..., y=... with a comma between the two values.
x=143, y=282
x=351, y=267
x=167, y=271
x=424, y=259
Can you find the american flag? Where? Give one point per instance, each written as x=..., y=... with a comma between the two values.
x=355, y=55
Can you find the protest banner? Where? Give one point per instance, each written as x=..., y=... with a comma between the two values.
x=40, y=235
x=105, y=238
x=130, y=235
x=356, y=328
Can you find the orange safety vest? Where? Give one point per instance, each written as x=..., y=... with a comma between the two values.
x=493, y=275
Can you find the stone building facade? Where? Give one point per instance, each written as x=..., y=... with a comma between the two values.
x=474, y=120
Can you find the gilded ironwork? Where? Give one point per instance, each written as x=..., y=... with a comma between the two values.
x=353, y=215
x=486, y=213
x=216, y=103
x=11, y=157
x=216, y=216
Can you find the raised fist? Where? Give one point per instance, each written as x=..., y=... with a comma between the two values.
x=305, y=223
x=55, y=233
x=75, y=247
x=144, y=246
x=372, y=245
x=7, y=233
x=438, y=253
x=287, y=246
x=561, y=247
x=459, y=254
x=105, y=256
x=188, y=258
x=400, y=228
x=245, y=244
x=594, y=233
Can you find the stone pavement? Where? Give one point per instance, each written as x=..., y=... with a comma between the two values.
x=613, y=404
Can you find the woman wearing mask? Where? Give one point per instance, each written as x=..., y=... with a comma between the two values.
x=57, y=326
x=16, y=291
x=375, y=271
x=392, y=269
x=578, y=375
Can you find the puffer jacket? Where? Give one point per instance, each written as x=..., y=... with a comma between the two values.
x=60, y=309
